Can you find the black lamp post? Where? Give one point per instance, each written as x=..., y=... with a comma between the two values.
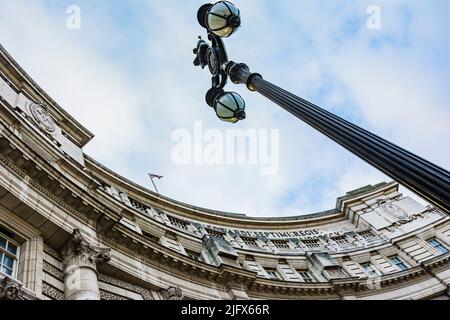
x=221, y=20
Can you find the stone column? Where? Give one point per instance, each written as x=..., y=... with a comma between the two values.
x=80, y=268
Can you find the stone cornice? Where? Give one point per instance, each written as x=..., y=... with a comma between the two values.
x=21, y=127
x=229, y=274
x=78, y=202
x=45, y=191
x=156, y=255
x=352, y=284
x=183, y=210
x=22, y=81
x=90, y=198
x=444, y=219
x=77, y=213
x=437, y=262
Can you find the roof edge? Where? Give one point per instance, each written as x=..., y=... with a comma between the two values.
x=77, y=132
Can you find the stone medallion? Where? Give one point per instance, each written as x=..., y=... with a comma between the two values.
x=393, y=210
x=42, y=117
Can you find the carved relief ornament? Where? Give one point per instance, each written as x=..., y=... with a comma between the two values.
x=172, y=293
x=393, y=210
x=40, y=115
x=9, y=289
x=79, y=253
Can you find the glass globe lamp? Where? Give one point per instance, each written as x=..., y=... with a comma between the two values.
x=229, y=106
x=221, y=18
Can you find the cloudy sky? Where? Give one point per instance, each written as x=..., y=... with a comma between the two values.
x=127, y=75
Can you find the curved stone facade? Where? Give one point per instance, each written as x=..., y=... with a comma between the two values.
x=72, y=229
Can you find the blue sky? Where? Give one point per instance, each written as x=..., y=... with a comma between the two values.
x=127, y=75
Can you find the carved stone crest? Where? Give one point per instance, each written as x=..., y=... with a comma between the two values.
x=393, y=210
x=38, y=112
x=9, y=289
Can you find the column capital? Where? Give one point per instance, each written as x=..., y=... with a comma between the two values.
x=80, y=253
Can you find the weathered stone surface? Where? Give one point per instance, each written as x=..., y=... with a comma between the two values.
x=80, y=268
x=10, y=289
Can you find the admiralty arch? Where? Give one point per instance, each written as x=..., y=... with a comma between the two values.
x=71, y=229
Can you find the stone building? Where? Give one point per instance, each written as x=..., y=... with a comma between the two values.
x=72, y=229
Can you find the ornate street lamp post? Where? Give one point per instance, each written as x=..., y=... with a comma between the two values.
x=221, y=20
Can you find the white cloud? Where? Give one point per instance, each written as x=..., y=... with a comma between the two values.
x=75, y=75
x=132, y=83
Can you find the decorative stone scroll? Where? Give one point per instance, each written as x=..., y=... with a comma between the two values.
x=172, y=293
x=80, y=253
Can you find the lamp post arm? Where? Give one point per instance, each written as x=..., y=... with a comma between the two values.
x=426, y=179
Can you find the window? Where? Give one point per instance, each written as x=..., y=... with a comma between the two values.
x=368, y=234
x=336, y=273
x=216, y=234
x=306, y=276
x=370, y=269
x=193, y=255
x=9, y=253
x=342, y=240
x=137, y=205
x=273, y=274
x=399, y=263
x=250, y=242
x=281, y=244
x=437, y=245
x=177, y=223
x=311, y=244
